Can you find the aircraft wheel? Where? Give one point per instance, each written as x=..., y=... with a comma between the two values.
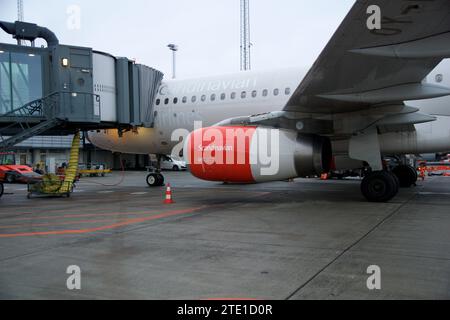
x=155, y=180
x=160, y=179
x=379, y=186
x=407, y=175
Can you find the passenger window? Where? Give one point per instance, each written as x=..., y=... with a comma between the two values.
x=158, y=102
x=166, y=101
x=184, y=99
x=287, y=91
x=203, y=98
x=244, y=94
x=276, y=92
x=213, y=97
x=223, y=96
x=254, y=94
x=265, y=92
x=233, y=95
x=175, y=100
x=194, y=99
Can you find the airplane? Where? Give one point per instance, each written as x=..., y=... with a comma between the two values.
x=372, y=92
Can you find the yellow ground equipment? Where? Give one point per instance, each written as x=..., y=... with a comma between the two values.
x=51, y=185
x=94, y=172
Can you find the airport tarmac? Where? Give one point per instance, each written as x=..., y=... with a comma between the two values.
x=307, y=239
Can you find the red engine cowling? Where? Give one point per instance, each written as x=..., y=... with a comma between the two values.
x=255, y=154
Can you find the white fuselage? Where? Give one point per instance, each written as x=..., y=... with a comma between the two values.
x=181, y=103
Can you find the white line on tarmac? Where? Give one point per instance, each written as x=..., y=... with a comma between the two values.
x=435, y=193
x=138, y=193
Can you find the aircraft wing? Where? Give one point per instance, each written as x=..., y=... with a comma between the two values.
x=360, y=67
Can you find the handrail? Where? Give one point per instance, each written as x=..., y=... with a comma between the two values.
x=40, y=101
x=13, y=112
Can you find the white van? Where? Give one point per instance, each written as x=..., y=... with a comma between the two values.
x=169, y=163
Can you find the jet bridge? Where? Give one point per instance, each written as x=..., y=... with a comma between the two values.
x=60, y=89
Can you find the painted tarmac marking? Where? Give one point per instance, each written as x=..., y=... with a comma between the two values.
x=48, y=224
x=107, y=227
x=435, y=193
x=138, y=193
x=81, y=215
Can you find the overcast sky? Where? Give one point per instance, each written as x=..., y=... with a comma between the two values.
x=284, y=33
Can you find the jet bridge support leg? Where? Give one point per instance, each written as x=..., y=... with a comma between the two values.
x=379, y=185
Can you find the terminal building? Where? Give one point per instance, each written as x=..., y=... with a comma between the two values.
x=46, y=94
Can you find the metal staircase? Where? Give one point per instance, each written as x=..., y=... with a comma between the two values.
x=32, y=119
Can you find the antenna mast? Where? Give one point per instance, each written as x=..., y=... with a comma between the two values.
x=20, y=10
x=20, y=16
x=245, y=35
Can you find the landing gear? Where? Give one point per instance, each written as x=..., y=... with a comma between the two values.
x=380, y=186
x=155, y=179
x=407, y=175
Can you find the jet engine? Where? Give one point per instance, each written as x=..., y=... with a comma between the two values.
x=251, y=154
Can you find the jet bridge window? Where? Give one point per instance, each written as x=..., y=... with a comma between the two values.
x=20, y=79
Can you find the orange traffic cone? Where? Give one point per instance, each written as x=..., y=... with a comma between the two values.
x=168, y=199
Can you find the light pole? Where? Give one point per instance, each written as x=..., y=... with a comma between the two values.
x=174, y=49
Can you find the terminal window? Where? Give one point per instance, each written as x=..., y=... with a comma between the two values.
x=20, y=80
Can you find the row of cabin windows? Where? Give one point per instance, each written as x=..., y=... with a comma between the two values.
x=223, y=96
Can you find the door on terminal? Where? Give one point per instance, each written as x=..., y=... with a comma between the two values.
x=23, y=159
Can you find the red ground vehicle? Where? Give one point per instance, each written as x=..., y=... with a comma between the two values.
x=10, y=172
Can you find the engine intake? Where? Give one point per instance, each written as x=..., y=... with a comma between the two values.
x=255, y=154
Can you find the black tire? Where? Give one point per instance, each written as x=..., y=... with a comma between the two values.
x=155, y=180
x=379, y=186
x=407, y=175
x=160, y=179
x=1, y=189
x=396, y=180
x=152, y=180
x=176, y=168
